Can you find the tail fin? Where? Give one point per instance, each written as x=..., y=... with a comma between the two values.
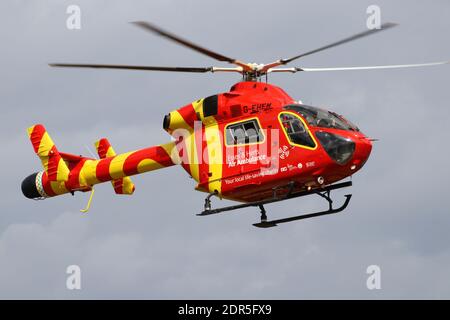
x=123, y=185
x=54, y=166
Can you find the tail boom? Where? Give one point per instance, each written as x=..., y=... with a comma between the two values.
x=77, y=173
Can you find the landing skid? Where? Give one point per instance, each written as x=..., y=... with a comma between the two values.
x=273, y=223
x=323, y=192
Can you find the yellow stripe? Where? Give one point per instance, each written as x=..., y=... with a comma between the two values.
x=58, y=187
x=30, y=131
x=215, y=157
x=88, y=176
x=148, y=165
x=193, y=156
x=45, y=145
x=177, y=122
x=198, y=107
x=191, y=147
x=110, y=152
x=116, y=166
x=127, y=186
x=63, y=172
x=44, y=161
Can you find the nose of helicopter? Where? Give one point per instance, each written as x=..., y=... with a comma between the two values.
x=363, y=148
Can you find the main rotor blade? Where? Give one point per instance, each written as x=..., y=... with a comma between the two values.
x=397, y=66
x=126, y=67
x=384, y=26
x=152, y=28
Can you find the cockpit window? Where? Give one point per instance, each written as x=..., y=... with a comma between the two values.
x=295, y=130
x=317, y=117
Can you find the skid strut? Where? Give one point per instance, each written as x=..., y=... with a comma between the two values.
x=322, y=192
x=263, y=213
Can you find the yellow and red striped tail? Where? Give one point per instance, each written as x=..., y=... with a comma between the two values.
x=64, y=172
x=54, y=166
x=122, y=185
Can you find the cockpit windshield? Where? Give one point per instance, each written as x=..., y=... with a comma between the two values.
x=317, y=117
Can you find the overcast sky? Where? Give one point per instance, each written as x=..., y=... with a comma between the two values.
x=151, y=245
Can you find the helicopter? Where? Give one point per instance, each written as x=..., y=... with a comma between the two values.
x=253, y=144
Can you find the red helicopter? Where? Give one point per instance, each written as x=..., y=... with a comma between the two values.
x=253, y=144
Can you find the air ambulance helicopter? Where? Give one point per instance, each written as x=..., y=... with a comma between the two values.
x=253, y=144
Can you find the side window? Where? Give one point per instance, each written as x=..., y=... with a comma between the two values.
x=244, y=133
x=296, y=130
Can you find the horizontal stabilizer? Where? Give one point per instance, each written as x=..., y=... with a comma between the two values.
x=105, y=150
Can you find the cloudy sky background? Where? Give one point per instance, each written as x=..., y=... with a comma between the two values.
x=151, y=245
